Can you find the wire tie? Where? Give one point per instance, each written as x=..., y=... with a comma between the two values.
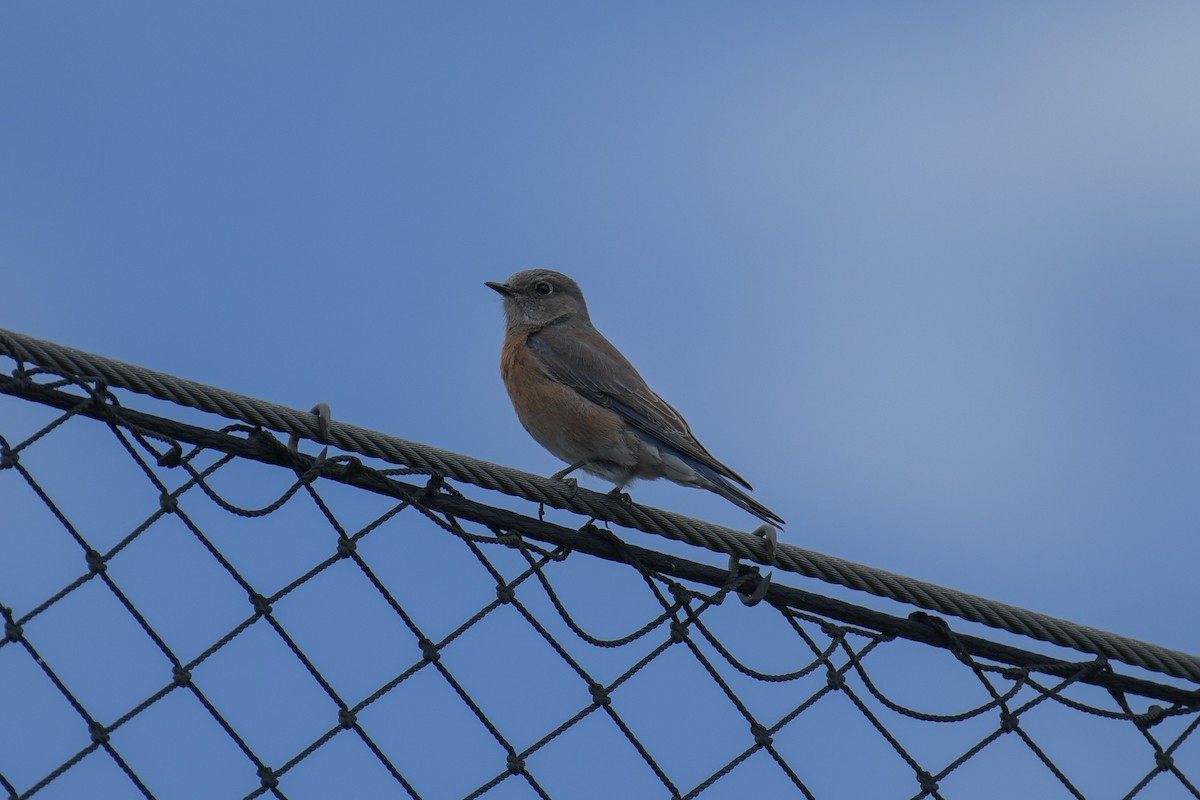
x=173, y=457
x=256, y=436
x=760, y=590
x=735, y=569
x=354, y=467
x=435, y=484
x=510, y=539
x=314, y=469
x=767, y=532
x=96, y=388
x=324, y=416
x=943, y=630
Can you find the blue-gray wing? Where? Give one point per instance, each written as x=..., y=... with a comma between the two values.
x=587, y=362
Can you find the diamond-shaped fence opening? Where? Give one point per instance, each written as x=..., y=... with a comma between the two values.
x=199, y=612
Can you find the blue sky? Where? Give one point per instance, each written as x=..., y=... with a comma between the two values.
x=927, y=275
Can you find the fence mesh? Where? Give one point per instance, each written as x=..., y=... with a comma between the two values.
x=200, y=612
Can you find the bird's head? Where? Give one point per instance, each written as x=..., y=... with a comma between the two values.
x=536, y=298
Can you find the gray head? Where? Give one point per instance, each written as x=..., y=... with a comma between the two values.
x=536, y=298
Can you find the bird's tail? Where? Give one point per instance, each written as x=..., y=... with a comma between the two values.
x=709, y=479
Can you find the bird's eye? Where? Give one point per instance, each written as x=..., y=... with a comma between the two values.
x=543, y=288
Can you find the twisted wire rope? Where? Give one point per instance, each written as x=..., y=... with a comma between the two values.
x=716, y=538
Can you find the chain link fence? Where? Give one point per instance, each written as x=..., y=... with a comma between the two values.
x=192, y=611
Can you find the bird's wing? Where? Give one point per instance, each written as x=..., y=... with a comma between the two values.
x=584, y=360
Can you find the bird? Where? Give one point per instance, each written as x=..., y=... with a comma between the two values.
x=581, y=399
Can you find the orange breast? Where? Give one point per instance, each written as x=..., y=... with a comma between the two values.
x=559, y=418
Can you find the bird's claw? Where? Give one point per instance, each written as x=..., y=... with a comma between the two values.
x=562, y=474
x=620, y=495
x=572, y=483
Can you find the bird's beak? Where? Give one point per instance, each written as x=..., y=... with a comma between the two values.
x=502, y=288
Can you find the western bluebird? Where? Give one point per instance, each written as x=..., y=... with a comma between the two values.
x=585, y=403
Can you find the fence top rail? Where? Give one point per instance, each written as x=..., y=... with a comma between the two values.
x=26, y=349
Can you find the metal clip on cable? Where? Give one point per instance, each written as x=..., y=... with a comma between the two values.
x=764, y=582
x=324, y=416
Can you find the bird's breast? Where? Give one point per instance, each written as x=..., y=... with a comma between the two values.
x=567, y=424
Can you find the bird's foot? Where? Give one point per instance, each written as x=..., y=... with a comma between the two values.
x=572, y=483
x=562, y=474
x=621, y=495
